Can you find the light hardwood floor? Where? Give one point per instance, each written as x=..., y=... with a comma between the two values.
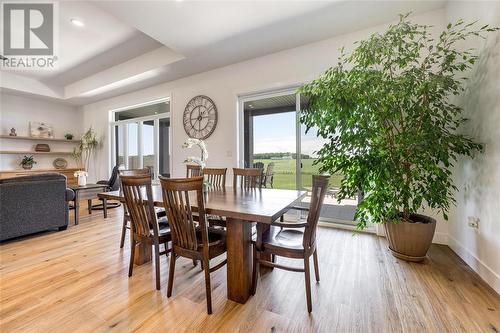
x=76, y=281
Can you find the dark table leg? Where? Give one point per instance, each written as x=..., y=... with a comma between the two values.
x=105, y=207
x=77, y=207
x=143, y=253
x=239, y=260
x=89, y=206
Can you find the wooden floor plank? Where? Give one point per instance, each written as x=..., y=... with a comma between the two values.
x=76, y=280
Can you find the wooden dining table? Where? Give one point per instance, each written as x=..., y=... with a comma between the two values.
x=241, y=207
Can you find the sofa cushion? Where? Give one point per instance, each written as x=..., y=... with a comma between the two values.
x=31, y=204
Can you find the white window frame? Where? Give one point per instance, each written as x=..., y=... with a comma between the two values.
x=140, y=120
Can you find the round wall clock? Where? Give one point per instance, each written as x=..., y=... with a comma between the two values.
x=200, y=117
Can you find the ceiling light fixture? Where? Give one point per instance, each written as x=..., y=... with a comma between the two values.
x=77, y=22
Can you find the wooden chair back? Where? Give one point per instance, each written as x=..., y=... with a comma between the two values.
x=216, y=177
x=136, y=172
x=193, y=170
x=270, y=169
x=258, y=165
x=320, y=185
x=268, y=175
x=247, y=178
x=176, y=197
x=138, y=195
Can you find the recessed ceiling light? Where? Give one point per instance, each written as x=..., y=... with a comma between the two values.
x=77, y=22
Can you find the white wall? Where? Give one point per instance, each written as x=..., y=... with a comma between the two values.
x=17, y=111
x=479, y=178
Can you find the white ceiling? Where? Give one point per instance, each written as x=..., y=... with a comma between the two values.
x=189, y=26
x=102, y=32
x=195, y=36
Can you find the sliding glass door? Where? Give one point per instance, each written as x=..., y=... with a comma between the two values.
x=274, y=139
x=141, y=137
x=271, y=137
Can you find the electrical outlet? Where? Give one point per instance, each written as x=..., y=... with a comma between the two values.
x=473, y=222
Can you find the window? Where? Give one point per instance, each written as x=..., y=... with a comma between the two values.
x=141, y=137
x=274, y=138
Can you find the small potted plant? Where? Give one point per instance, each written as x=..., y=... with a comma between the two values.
x=68, y=136
x=27, y=162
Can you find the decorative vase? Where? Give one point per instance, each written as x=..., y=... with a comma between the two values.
x=27, y=166
x=410, y=241
x=82, y=180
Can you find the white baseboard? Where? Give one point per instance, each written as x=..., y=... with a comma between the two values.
x=440, y=238
x=485, y=272
x=345, y=226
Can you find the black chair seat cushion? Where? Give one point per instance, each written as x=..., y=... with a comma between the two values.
x=163, y=230
x=275, y=238
x=216, y=242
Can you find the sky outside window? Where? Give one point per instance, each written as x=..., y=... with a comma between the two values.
x=275, y=133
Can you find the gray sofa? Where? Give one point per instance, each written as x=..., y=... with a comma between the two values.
x=32, y=204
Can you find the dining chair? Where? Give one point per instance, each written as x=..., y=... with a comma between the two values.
x=216, y=177
x=138, y=194
x=126, y=215
x=191, y=239
x=193, y=170
x=268, y=176
x=113, y=184
x=247, y=178
x=258, y=165
x=217, y=181
x=293, y=241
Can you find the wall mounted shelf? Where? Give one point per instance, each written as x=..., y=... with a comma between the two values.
x=18, y=137
x=18, y=152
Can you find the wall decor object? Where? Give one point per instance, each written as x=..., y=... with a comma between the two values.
x=42, y=147
x=68, y=136
x=60, y=163
x=200, y=117
x=12, y=132
x=82, y=177
x=41, y=130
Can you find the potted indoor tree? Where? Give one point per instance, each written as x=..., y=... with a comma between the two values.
x=391, y=127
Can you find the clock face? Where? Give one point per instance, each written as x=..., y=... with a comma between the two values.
x=200, y=117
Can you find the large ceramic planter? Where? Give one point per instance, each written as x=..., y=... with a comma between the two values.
x=411, y=240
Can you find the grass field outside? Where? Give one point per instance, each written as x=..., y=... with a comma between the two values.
x=285, y=175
